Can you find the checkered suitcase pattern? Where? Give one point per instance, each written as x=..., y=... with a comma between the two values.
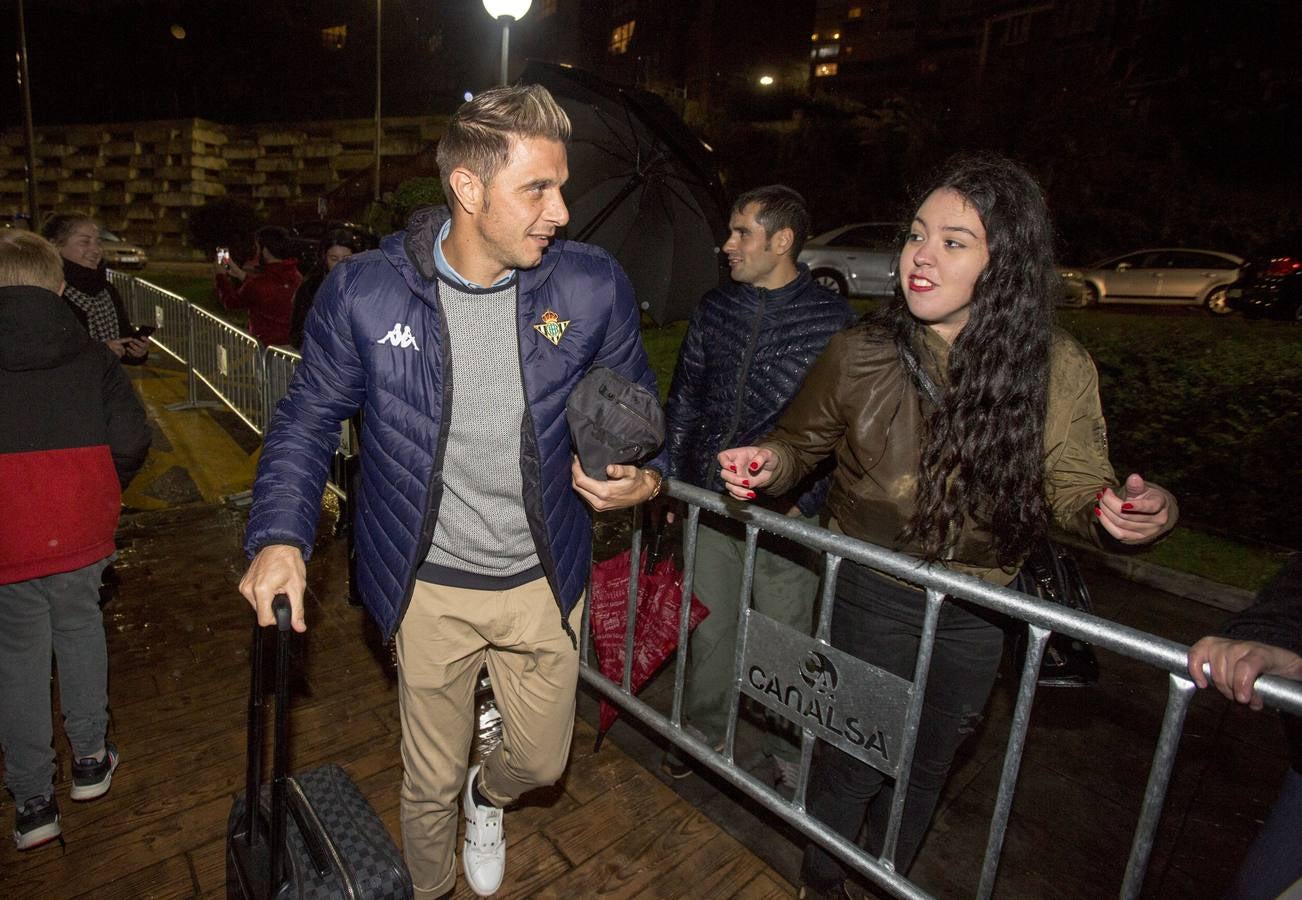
x=333, y=845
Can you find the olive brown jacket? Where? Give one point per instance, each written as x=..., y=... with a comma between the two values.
x=860, y=403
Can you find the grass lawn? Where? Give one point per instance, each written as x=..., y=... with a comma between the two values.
x=1208, y=407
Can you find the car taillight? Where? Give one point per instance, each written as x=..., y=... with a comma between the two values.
x=1281, y=266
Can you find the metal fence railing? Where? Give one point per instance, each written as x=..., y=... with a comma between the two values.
x=893, y=706
x=148, y=304
x=230, y=362
x=221, y=360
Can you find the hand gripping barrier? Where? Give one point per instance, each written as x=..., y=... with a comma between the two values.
x=892, y=705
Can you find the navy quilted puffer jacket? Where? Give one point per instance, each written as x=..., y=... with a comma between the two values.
x=404, y=388
x=743, y=358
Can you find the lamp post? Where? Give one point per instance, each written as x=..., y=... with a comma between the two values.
x=28, y=131
x=375, y=184
x=506, y=12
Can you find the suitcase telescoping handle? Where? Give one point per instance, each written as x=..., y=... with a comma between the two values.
x=280, y=755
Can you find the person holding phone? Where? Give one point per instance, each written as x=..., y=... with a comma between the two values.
x=268, y=293
x=95, y=302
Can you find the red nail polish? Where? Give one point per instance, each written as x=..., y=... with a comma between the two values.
x=732, y=468
x=1097, y=511
x=750, y=495
x=754, y=466
x=745, y=482
x=1126, y=507
x=1098, y=496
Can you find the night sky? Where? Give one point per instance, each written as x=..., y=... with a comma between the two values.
x=1213, y=162
x=240, y=60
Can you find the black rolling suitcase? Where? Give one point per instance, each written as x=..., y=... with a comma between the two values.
x=313, y=834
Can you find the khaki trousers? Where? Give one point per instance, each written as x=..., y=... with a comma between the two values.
x=446, y=635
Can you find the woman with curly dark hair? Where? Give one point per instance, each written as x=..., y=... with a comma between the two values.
x=961, y=421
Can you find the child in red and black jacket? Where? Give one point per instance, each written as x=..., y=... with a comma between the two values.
x=72, y=435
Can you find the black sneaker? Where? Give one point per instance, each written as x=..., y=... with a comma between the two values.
x=36, y=822
x=91, y=777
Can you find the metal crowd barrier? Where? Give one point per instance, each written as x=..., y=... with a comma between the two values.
x=246, y=377
x=230, y=362
x=886, y=709
x=148, y=304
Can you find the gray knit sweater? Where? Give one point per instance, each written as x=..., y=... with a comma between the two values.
x=481, y=526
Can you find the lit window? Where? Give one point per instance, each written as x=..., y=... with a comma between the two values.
x=620, y=37
x=836, y=35
x=827, y=50
x=824, y=69
x=814, y=36
x=333, y=38
x=854, y=12
x=546, y=8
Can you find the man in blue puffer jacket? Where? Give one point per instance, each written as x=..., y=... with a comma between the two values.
x=745, y=355
x=461, y=339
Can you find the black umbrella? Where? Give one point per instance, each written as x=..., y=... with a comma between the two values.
x=641, y=186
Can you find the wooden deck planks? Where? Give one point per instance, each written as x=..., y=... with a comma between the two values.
x=179, y=653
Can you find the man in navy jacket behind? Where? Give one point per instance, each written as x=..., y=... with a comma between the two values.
x=461, y=339
x=745, y=355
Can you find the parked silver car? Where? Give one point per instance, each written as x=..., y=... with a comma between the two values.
x=855, y=260
x=120, y=254
x=1163, y=275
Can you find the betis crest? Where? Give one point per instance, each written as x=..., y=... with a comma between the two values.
x=551, y=327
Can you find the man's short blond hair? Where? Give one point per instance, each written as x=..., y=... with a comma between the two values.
x=479, y=135
x=29, y=260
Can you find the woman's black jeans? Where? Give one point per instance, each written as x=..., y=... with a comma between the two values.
x=880, y=621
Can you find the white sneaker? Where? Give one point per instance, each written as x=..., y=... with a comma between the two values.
x=484, y=855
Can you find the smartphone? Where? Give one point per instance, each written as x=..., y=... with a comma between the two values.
x=223, y=255
x=144, y=331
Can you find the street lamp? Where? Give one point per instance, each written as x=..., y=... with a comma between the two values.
x=506, y=12
x=766, y=80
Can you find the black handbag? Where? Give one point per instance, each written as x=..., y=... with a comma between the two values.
x=1049, y=573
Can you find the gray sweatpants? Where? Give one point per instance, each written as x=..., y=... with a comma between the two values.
x=60, y=613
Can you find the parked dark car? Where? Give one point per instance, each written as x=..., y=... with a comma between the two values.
x=1271, y=284
x=307, y=235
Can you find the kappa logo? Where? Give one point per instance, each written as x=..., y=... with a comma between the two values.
x=399, y=336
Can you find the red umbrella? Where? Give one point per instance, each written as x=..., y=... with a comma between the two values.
x=659, y=601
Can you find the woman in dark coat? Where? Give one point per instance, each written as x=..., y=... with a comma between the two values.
x=96, y=303
x=334, y=246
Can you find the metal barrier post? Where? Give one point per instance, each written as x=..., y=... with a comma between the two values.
x=690, y=531
x=1038, y=640
x=192, y=400
x=1180, y=692
x=921, y=669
